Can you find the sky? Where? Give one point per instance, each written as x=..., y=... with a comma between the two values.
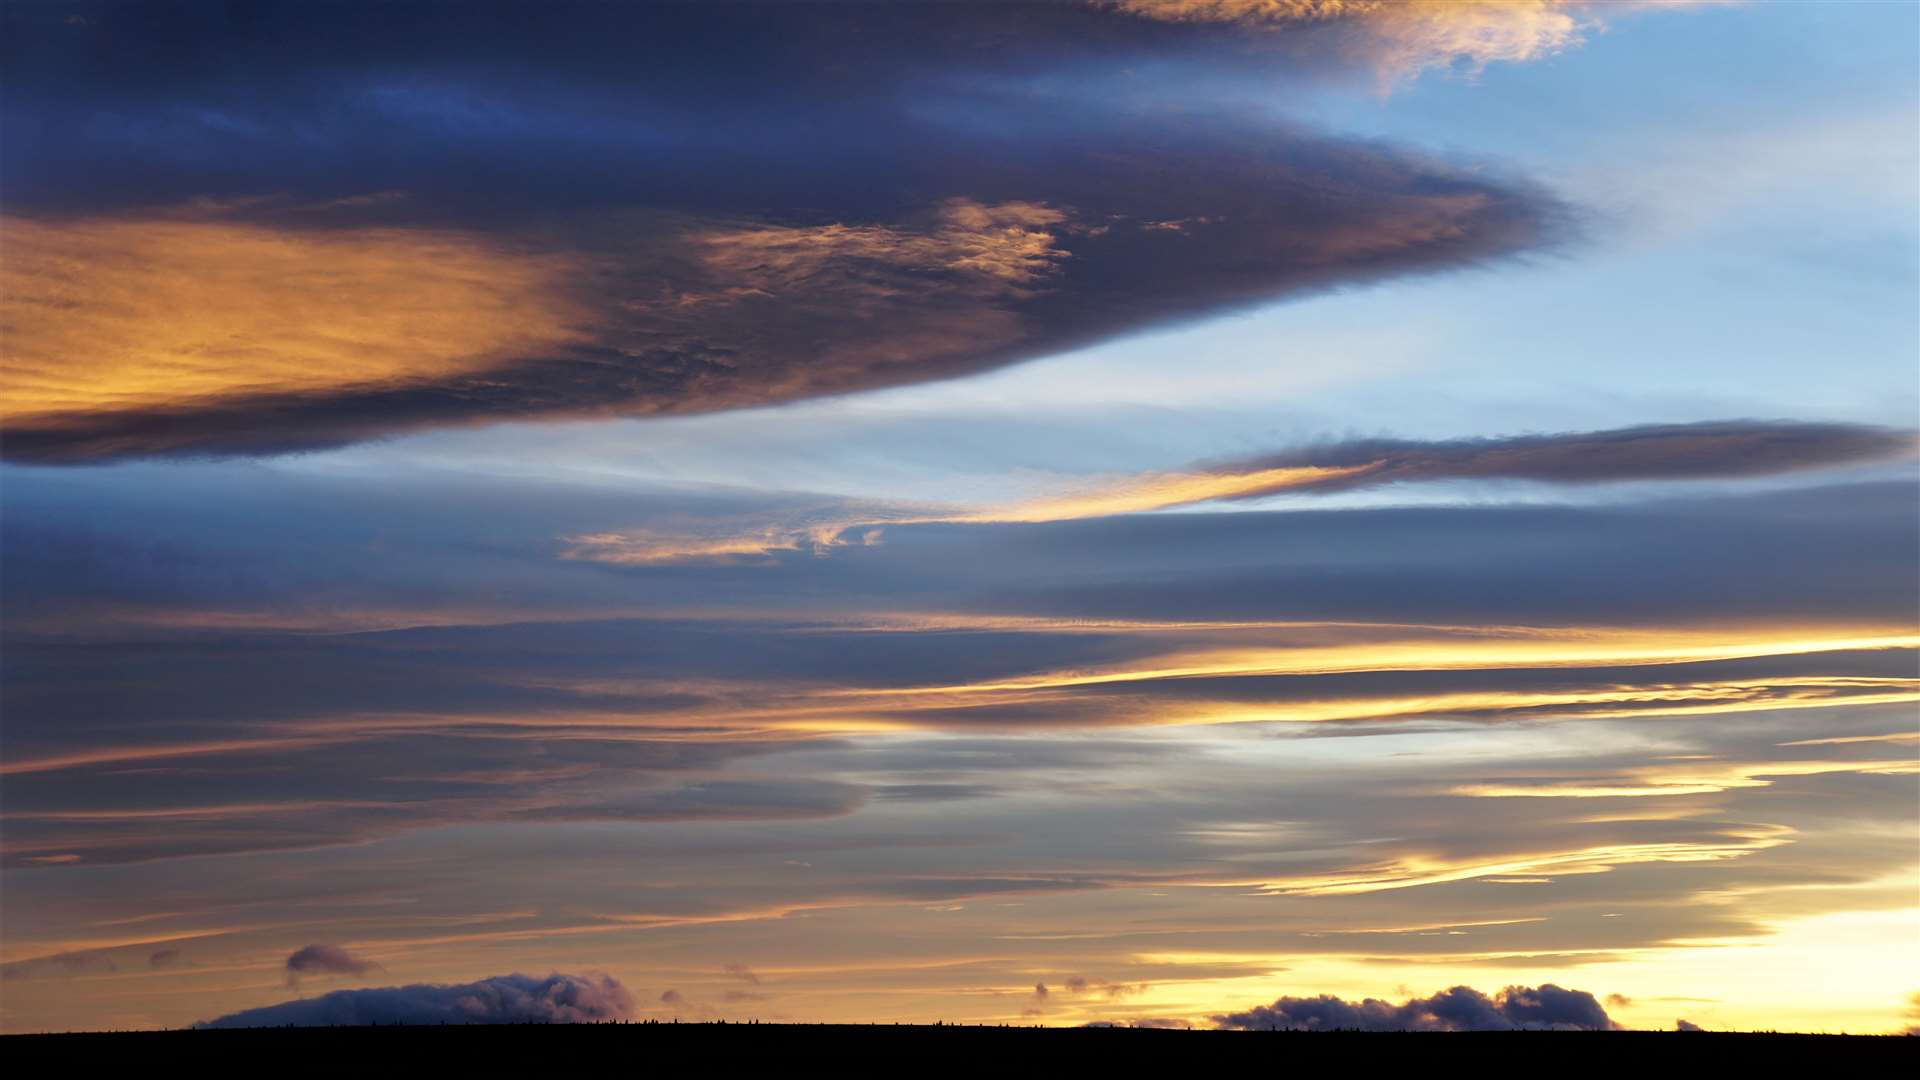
x=1214, y=513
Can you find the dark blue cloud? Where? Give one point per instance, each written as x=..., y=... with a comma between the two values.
x=322, y=959
x=716, y=186
x=1462, y=1008
x=502, y=999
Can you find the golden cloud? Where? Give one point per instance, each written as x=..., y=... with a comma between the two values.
x=117, y=314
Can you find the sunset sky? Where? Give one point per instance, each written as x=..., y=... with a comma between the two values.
x=1134, y=511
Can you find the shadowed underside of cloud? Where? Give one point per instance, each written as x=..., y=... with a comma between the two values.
x=1462, y=1008
x=502, y=999
x=576, y=241
x=1741, y=448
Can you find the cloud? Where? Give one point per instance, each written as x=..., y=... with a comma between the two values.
x=742, y=972
x=165, y=958
x=502, y=999
x=325, y=960
x=1652, y=452
x=1399, y=39
x=196, y=308
x=935, y=224
x=1462, y=1008
x=694, y=314
x=1727, y=449
x=1665, y=780
x=686, y=694
x=1080, y=984
x=1686, y=1025
x=58, y=964
x=1403, y=37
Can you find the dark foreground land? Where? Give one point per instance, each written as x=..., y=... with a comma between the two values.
x=731, y=1049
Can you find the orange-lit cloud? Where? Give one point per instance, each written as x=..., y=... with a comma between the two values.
x=1677, y=779
x=119, y=314
x=1838, y=740
x=260, y=326
x=1413, y=871
x=712, y=541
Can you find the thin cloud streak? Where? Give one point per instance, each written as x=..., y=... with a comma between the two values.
x=1726, y=449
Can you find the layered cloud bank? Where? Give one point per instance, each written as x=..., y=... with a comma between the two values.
x=1516, y=1008
x=577, y=691
x=502, y=999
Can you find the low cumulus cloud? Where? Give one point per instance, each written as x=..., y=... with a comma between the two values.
x=1462, y=1008
x=502, y=999
x=325, y=960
